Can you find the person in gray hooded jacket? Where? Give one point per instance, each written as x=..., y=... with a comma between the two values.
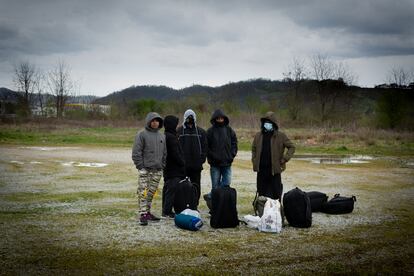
x=149, y=154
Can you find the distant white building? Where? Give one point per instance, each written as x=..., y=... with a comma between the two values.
x=105, y=109
x=47, y=111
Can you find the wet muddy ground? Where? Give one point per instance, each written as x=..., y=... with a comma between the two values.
x=73, y=209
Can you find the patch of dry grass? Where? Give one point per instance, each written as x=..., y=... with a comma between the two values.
x=67, y=220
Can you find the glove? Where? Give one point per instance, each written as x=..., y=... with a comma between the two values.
x=142, y=171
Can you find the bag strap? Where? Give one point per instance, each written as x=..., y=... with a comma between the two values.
x=254, y=203
x=185, y=179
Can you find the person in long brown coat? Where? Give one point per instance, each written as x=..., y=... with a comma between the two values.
x=271, y=150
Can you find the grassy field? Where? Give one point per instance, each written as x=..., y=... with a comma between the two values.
x=57, y=218
x=310, y=140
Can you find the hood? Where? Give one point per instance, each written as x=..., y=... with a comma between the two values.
x=170, y=123
x=190, y=112
x=187, y=113
x=151, y=116
x=270, y=116
x=219, y=113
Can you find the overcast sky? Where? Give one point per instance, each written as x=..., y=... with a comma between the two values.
x=111, y=45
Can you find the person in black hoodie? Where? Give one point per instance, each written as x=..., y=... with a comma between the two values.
x=174, y=170
x=193, y=141
x=222, y=148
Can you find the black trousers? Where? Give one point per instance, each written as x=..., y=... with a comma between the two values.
x=195, y=177
x=168, y=194
x=269, y=185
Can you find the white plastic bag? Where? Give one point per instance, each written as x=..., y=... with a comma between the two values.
x=271, y=221
x=190, y=212
x=252, y=221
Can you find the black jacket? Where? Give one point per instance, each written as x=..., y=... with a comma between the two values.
x=222, y=141
x=175, y=166
x=193, y=142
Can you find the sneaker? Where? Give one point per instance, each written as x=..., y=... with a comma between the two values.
x=168, y=216
x=143, y=220
x=152, y=217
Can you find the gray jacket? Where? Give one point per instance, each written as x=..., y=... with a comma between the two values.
x=149, y=150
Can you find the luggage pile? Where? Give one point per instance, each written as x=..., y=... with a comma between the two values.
x=299, y=206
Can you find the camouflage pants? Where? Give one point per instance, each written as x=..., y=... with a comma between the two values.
x=147, y=186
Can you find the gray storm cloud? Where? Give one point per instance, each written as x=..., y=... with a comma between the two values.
x=235, y=39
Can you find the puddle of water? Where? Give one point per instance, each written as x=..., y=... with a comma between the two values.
x=48, y=148
x=409, y=164
x=91, y=165
x=68, y=164
x=336, y=159
x=81, y=164
x=17, y=162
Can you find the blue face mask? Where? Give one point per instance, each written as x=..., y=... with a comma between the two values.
x=268, y=126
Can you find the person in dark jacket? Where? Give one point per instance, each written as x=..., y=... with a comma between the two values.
x=193, y=141
x=222, y=149
x=269, y=157
x=174, y=170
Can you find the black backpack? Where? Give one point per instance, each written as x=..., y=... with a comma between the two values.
x=297, y=208
x=223, y=208
x=339, y=205
x=185, y=196
x=317, y=199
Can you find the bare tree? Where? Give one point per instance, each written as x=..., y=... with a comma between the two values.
x=39, y=90
x=60, y=85
x=322, y=68
x=25, y=79
x=331, y=81
x=295, y=76
x=343, y=72
x=400, y=77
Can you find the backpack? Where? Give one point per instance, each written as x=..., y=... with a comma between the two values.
x=317, y=199
x=297, y=208
x=339, y=205
x=223, y=208
x=185, y=196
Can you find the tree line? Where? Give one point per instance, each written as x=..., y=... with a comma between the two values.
x=317, y=91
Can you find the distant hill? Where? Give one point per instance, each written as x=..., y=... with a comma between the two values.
x=8, y=95
x=138, y=92
x=237, y=91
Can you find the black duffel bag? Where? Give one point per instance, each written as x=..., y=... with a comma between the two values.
x=297, y=208
x=339, y=205
x=317, y=199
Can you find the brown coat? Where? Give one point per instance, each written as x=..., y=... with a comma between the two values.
x=279, y=142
